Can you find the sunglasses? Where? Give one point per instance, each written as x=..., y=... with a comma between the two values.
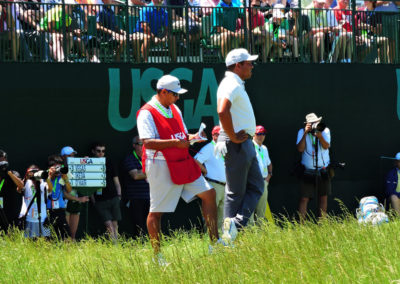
x=139, y=143
x=261, y=134
x=100, y=151
x=173, y=93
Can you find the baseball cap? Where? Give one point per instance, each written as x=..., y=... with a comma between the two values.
x=216, y=129
x=397, y=156
x=312, y=118
x=67, y=150
x=239, y=55
x=260, y=129
x=170, y=83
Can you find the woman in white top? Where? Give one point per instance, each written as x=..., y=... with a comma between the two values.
x=34, y=228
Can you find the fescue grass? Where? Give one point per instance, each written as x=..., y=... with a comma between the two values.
x=336, y=250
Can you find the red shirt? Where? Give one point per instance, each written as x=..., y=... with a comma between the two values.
x=256, y=21
x=344, y=18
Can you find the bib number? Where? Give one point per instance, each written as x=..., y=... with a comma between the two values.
x=35, y=214
x=56, y=205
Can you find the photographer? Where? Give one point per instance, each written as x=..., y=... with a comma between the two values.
x=10, y=200
x=32, y=182
x=313, y=142
x=59, y=185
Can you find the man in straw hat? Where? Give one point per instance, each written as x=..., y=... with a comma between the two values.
x=313, y=143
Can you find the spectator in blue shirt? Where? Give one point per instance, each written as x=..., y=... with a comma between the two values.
x=109, y=30
x=152, y=29
x=224, y=30
x=393, y=185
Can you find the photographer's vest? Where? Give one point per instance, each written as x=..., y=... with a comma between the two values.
x=182, y=167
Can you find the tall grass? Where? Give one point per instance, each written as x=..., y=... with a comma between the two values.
x=332, y=251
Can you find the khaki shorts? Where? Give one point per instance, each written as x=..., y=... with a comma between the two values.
x=164, y=194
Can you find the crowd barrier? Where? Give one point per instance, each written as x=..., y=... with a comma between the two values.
x=43, y=32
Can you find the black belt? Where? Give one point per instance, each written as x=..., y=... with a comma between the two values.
x=213, y=180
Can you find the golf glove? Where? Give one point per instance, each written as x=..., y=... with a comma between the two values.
x=220, y=149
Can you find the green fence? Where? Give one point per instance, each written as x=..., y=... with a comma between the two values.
x=71, y=32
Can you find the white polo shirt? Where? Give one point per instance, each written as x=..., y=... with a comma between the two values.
x=232, y=88
x=147, y=128
x=263, y=158
x=215, y=166
x=308, y=158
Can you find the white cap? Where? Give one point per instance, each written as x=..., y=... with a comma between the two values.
x=239, y=55
x=397, y=156
x=69, y=2
x=170, y=83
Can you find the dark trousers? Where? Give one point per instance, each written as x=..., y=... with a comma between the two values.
x=59, y=223
x=244, y=182
x=138, y=211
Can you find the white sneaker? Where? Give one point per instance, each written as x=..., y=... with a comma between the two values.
x=219, y=244
x=160, y=260
x=229, y=231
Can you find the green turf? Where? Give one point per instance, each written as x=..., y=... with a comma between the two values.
x=333, y=251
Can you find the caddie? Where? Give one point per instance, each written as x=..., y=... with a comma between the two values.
x=171, y=171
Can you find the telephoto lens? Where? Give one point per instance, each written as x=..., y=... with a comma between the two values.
x=41, y=175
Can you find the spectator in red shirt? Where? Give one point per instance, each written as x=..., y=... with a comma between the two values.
x=344, y=19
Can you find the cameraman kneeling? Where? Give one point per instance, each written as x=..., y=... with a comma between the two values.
x=313, y=142
x=10, y=200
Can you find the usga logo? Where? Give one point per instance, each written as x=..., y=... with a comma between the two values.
x=86, y=161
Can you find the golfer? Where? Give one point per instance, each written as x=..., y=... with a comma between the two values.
x=171, y=171
x=244, y=182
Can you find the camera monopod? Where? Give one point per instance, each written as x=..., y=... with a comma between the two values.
x=317, y=175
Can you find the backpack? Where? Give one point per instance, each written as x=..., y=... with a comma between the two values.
x=371, y=211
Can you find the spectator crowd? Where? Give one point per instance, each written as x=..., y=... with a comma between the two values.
x=199, y=30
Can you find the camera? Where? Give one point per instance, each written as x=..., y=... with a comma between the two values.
x=61, y=170
x=337, y=165
x=317, y=127
x=3, y=167
x=38, y=174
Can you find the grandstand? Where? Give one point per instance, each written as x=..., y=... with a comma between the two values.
x=316, y=31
